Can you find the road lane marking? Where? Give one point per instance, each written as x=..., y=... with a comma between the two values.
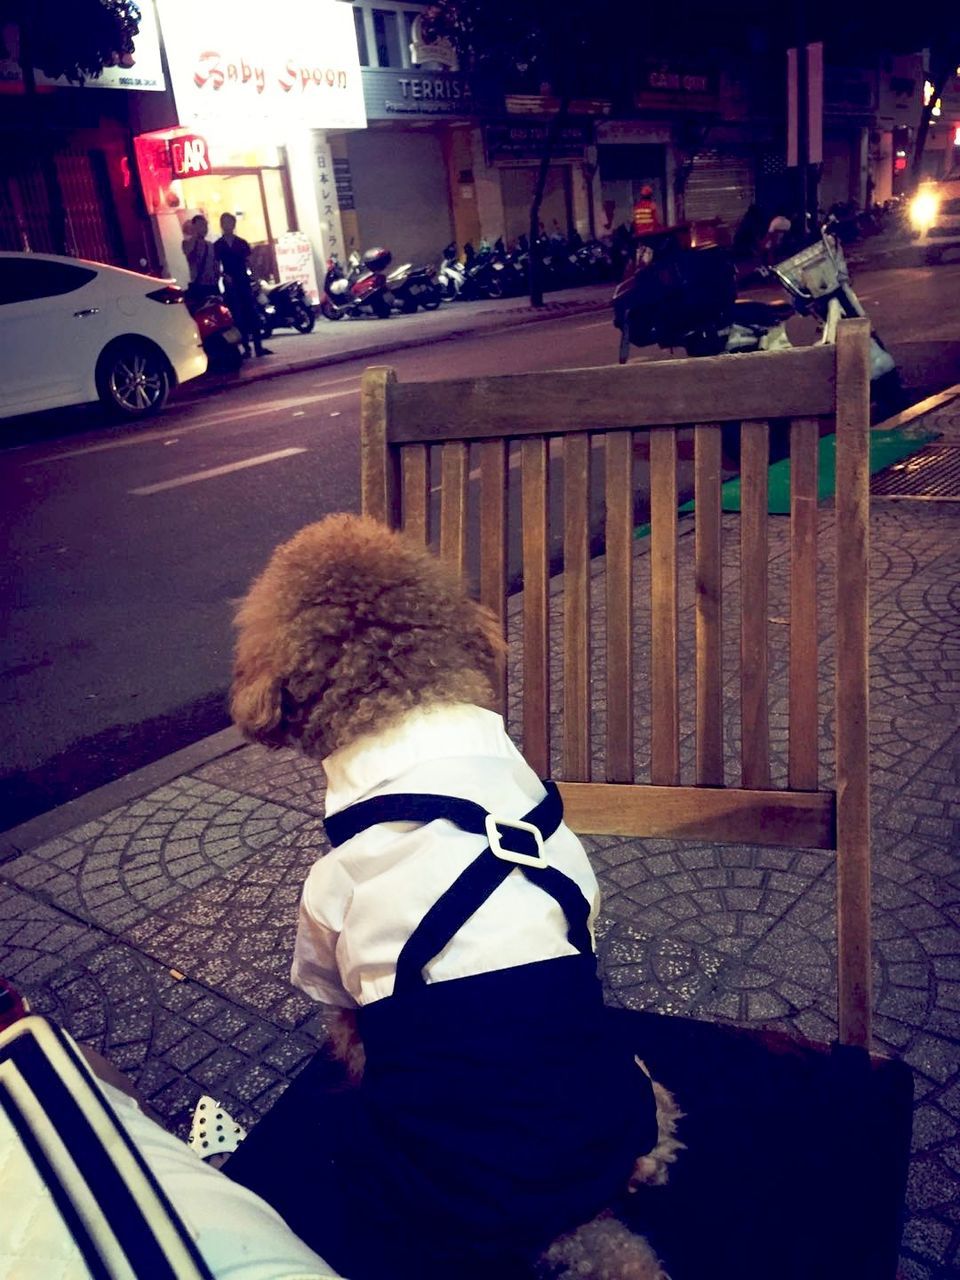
x=209, y=474
x=174, y=429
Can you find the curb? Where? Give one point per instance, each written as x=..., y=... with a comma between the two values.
x=87, y=808
x=919, y=410
x=509, y=320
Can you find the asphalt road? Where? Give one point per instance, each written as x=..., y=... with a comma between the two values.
x=126, y=549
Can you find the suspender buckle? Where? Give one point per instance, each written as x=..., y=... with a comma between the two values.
x=493, y=824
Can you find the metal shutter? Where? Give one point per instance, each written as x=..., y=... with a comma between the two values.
x=721, y=185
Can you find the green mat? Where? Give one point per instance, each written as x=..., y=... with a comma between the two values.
x=886, y=448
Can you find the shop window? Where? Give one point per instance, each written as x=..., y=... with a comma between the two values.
x=238, y=194
x=361, y=36
x=387, y=30
x=24, y=280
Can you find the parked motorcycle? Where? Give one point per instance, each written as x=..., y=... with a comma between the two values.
x=361, y=291
x=515, y=274
x=483, y=273
x=284, y=306
x=593, y=262
x=687, y=297
x=451, y=274
x=221, y=339
x=414, y=287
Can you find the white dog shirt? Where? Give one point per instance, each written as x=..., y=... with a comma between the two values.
x=362, y=901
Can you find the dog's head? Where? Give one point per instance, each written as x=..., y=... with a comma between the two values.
x=350, y=626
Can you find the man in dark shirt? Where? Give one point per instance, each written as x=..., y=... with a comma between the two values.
x=233, y=254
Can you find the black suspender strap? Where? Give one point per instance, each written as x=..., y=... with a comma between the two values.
x=478, y=880
x=467, y=893
x=468, y=816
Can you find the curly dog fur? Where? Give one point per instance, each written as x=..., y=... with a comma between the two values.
x=347, y=629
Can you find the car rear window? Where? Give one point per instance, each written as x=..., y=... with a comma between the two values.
x=22, y=280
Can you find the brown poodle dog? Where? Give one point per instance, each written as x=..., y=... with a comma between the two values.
x=363, y=650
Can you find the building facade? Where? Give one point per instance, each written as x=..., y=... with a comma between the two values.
x=254, y=92
x=941, y=155
x=68, y=182
x=410, y=180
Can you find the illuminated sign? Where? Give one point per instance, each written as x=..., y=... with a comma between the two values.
x=287, y=63
x=189, y=156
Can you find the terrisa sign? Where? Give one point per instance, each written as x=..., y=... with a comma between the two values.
x=284, y=62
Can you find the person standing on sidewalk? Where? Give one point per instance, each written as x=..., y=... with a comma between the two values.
x=645, y=216
x=233, y=255
x=201, y=261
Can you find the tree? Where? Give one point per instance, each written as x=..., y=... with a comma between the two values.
x=71, y=38
x=75, y=39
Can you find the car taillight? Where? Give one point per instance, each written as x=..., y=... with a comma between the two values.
x=168, y=295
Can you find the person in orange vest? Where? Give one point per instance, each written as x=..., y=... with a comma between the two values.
x=645, y=217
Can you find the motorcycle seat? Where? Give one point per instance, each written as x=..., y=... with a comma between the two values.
x=751, y=312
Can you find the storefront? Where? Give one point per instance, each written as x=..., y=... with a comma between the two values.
x=514, y=148
x=695, y=144
x=632, y=155
x=255, y=90
x=411, y=175
x=184, y=173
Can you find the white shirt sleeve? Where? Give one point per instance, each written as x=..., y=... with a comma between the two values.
x=323, y=905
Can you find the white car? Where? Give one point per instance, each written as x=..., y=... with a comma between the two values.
x=73, y=331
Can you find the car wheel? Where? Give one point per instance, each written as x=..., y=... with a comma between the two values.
x=303, y=319
x=133, y=379
x=331, y=312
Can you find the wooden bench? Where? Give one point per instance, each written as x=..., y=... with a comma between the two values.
x=482, y=428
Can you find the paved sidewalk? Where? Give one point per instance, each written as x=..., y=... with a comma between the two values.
x=334, y=342
x=155, y=918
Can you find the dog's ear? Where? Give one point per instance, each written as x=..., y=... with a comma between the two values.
x=486, y=641
x=256, y=701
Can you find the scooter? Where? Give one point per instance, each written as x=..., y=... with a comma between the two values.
x=483, y=273
x=450, y=274
x=514, y=276
x=361, y=292
x=414, y=287
x=284, y=306
x=687, y=297
x=219, y=335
